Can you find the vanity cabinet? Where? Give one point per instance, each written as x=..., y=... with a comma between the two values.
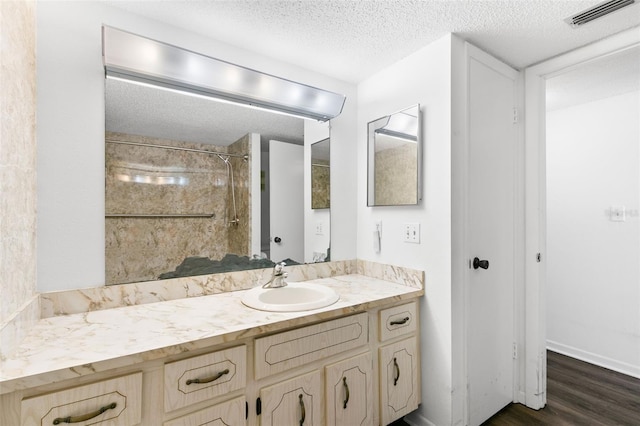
x=349, y=391
x=114, y=402
x=204, y=377
x=284, y=351
x=293, y=402
x=399, y=384
x=229, y=413
x=358, y=369
x=398, y=321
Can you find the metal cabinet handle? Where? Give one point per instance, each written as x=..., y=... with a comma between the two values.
x=209, y=379
x=397, y=370
x=400, y=321
x=303, y=414
x=346, y=390
x=84, y=417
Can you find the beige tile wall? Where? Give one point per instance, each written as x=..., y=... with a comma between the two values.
x=238, y=235
x=320, y=185
x=17, y=170
x=140, y=249
x=396, y=175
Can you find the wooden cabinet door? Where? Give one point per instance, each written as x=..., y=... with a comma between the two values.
x=295, y=402
x=349, y=391
x=399, y=391
x=230, y=413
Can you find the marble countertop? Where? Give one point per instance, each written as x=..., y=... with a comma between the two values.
x=70, y=346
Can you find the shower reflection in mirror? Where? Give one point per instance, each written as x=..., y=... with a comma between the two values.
x=320, y=175
x=394, y=153
x=168, y=201
x=177, y=205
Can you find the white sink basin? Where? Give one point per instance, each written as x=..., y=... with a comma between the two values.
x=294, y=297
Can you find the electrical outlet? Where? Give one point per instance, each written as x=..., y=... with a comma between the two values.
x=411, y=233
x=319, y=230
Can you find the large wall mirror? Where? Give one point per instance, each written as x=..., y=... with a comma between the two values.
x=394, y=159
x=184, y=179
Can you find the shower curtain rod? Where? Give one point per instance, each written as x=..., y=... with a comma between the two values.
x=176, y=148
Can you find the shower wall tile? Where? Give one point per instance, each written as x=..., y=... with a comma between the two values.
x=320, y=185
x=146, y=180
x=17, y=171
x=239, y=234
x=396, y=176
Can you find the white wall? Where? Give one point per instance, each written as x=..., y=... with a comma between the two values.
x=593, y=272
x=423, y=77
x=70, y=108
x=256, y=199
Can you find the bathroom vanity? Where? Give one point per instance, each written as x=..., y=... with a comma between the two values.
x=213, y=360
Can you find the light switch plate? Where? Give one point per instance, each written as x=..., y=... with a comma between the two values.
x=411, y=233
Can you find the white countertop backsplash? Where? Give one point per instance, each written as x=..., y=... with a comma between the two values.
x=67, y=346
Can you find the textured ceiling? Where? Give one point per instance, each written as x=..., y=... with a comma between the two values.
x=609, y=76
x=351, y=40
x=140, y=110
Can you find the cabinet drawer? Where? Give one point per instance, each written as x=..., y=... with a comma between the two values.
x=230, y=413
x=202, y=377
x=398, y=321
x=283, y=351
x=114, y=402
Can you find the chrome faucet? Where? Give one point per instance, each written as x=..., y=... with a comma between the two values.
x=277, y=277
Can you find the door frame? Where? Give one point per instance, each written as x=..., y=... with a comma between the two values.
x=535, y=202
x=460, y=220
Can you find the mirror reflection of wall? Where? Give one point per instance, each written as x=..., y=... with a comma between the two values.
x=320, y=175
x=394, y=150
x=176, y=212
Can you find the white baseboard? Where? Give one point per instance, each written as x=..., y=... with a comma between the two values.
x=602, y=361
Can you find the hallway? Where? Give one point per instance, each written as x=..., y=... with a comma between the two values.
x=579, y=393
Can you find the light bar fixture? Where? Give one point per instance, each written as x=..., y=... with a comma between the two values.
x=139, y=59
x=402, y=125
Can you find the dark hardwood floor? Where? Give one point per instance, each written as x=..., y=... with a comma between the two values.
x=579, y=393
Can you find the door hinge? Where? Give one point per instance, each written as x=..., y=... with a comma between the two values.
x=516, y=115
x=538, y=257
x=246, y=410
x=258, y=406
x=515, y=350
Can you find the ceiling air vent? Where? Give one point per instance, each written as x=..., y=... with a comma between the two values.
x=597, y=11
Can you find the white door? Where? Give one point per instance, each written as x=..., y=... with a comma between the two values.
x=490, y=233
x=286, y=200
